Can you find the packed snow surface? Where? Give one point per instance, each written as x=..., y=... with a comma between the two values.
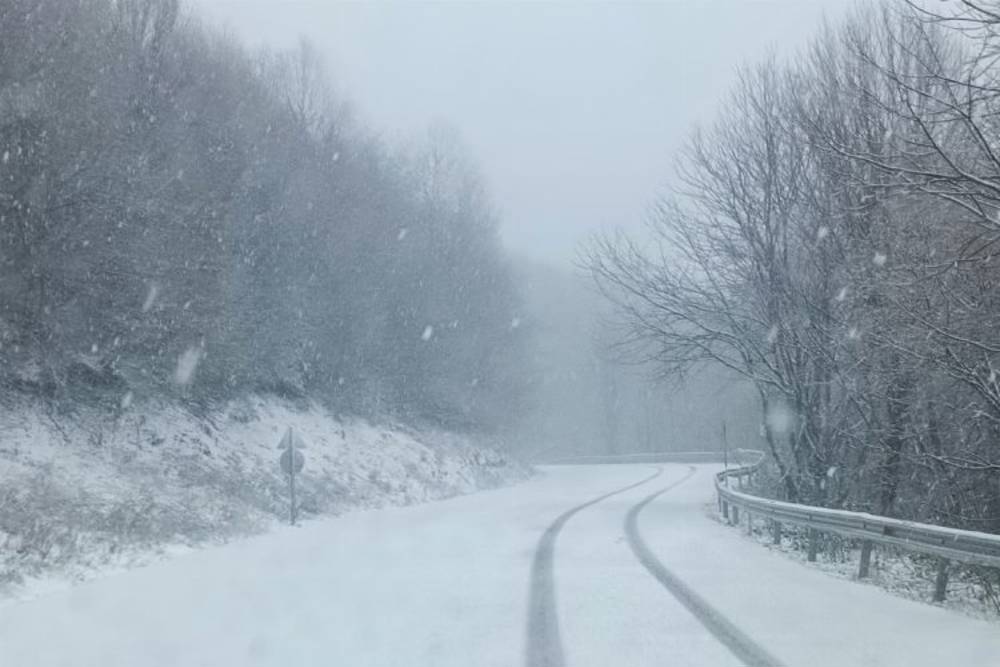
x=447, y=583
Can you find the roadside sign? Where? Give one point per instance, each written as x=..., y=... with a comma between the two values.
x=292, y=438
x=292, y=460
x=286, y=459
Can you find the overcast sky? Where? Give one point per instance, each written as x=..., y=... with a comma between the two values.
x=573, y=110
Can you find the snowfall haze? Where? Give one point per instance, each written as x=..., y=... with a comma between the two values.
x=574, y=110
x=554, y=334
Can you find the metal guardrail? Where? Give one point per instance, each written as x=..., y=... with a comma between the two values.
x=947, y=544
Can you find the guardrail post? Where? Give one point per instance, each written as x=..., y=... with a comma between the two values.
x=749, y=523
x=813, y=544
x=941, y=583
x=739, y=481
x=776, y=529
x=725, y=510
x=736, y=515
x=866, y=559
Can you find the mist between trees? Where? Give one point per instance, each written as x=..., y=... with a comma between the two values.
x=179, y=216
x=585, y=397
x=833, y=240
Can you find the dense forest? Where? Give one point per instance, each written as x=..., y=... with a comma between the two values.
x=832, y=238
x=179, y=216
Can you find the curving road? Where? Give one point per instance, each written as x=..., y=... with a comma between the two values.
x=543, y=644
x=583, y=566
x=742, y=646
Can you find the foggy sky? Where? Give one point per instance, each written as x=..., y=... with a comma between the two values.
x=574, y=111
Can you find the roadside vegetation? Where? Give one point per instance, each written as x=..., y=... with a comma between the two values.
x=832, y=240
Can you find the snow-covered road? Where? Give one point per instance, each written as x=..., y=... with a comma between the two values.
x=531, y=575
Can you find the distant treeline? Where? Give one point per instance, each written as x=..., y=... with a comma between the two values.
x=834, y=239
x=177, y=215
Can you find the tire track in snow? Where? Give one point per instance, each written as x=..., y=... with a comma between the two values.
x=543, y=647
x=744, y=648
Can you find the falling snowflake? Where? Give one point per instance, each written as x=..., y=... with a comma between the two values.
x=6, y=157
x=772, y=335
x=842, y=294
x=879, y=259
x=402, y=234
x=822, y=233
x=186, y=365
x=126, y=400
x=428, y=332
x=853, y=333
x=831, y=471
x=515, y=323
x=151, y=295
x=780, y=419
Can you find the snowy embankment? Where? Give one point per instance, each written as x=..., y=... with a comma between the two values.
x=88, y=489
x=972, y=590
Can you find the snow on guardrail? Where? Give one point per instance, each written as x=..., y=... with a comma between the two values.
x=948, y=544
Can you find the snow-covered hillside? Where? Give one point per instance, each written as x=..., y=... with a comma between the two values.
x=91, y=489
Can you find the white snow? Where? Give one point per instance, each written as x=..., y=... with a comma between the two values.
x=185, y=479
x=892, y=570
x=433, y=585
x=445, y=584
x=801, y=615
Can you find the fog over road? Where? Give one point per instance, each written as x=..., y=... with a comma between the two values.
x=582, y=566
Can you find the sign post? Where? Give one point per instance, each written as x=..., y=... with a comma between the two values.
x=292, y=461
x=725, y=449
